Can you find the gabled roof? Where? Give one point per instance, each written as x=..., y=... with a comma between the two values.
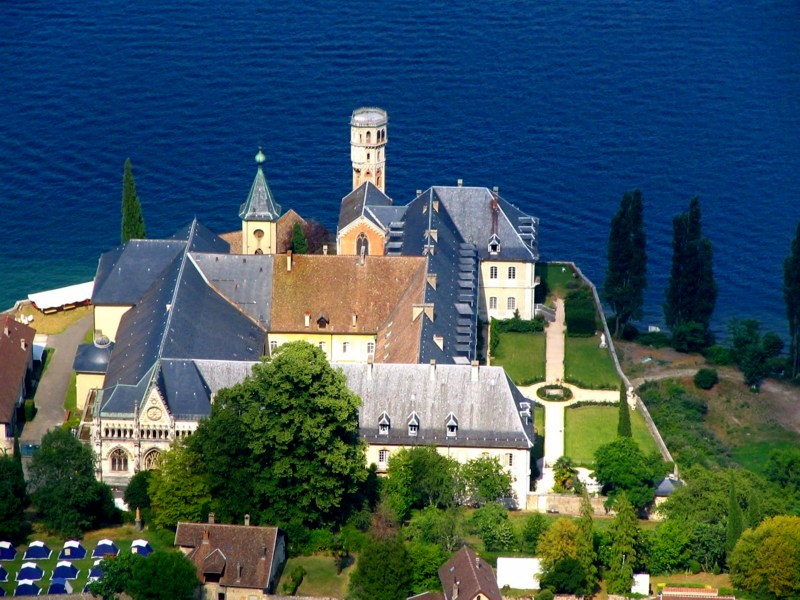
x=471, y=210
x=16, y=347
x=340, y=287
x=469, y=575
x=125, y=273
x=356, y=204
x=241, y=554
x=485, y=403
x=260, y=204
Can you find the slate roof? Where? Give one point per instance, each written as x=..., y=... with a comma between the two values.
x=489, y=410
x=90, y=358
x=217, y=549
x=338, y=287
x=359, y=202
x=428, y=230
x=260, y=204
x=667, y=486
x=469, y=575
x=15, y=361
x=471, y=211
x=244, y=280
x=181, y=317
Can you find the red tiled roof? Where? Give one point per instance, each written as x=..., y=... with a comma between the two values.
x=14, y=360
x=241, y=554
x=470, y=574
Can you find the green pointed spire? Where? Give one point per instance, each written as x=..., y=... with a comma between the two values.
x=260, y=205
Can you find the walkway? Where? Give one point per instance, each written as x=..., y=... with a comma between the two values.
x=52, y=389
x=554, y=362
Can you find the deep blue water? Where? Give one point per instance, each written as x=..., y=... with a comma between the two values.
x=564, y=105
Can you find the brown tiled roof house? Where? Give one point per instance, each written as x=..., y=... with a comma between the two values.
x=16, y=362
x=233, y=561
x=466, y=576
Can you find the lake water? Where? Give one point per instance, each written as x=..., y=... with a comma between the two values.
x=563, y=105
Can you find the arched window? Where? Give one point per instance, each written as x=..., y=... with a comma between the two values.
x=119, y=460
x=369, y=137
x=151, y=459
x=362, y=245
x=379, y=178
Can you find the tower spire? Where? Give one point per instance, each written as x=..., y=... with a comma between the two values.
x=259, y=214
x=368, y=146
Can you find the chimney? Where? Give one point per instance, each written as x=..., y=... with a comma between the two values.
x=23, y=344
x=307, y=317
x=460, y=183
x=205, y=536
x=211, y=518
x=289, y=262
x=432, y=370
x=475, y=371
x=247, y=520
x=355, y=319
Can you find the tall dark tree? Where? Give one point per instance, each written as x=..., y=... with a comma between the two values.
x=791, y=294
x=624, y=422
x=735, y=525
x=626, y=273
x=63, y=486
x=625, y=535
x=299, y=241
x=132, y=219
x=382, y=572
x=586, y=553
x=691, y=293
x=12, y=498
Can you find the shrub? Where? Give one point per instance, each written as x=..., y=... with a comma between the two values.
x=655, y=339
x=706, y=379
x=512, y=325
x=580, y=313
x=694, y=567
x=718, y=355
x=295, y=579
x=30, y=410
x=690, y=337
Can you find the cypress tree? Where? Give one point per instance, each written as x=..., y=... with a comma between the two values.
x=132, y=220
x=624, y=423
x=624, y=535
x=735, y=520
x=791, y=294
x=691, y=291
x=586, y=553
x=626, y=273
x=299, y=242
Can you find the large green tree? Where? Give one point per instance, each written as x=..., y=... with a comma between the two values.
x=132, y=219
x=117, y=573
x=486, y=480
x=299, y=434
x=791, y=295
x=560, y=541
x=753, y=352
x=625, y=540
x=622, y=467
x=164, y=575
x=766, y=560
x=178, y=491
x=419, y=477
x=691, y=293
x=12, y=499
x=382, y=572
x=626, y=273
x=64, y=488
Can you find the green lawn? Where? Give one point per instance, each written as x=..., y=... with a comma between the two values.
x=122, y=537
x=753, y=456
x=587, y=365
x=555, y=280
x=589, y=427
x=522, y=355
x=320, y=578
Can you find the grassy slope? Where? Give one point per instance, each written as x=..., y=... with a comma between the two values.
x=320, y=578
x=553, y=280
x=587, y=363
x=522, y=355
x=589, y=427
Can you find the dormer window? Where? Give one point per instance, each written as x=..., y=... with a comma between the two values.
x=322, y=321
x=451, y=425
x=384, y=424
x=413, y=425
x=494, y=244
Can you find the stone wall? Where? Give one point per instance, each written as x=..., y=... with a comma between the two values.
x=566, y=504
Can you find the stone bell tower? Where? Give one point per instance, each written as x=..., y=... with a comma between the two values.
x=368, y=146
x=260, y=215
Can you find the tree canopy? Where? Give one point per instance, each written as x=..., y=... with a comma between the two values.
x=178, y=491
x=766, y=560
x=621, y=467
x=752, y=351
x=284, y=445
x=420, y=477
x=791, y=295
x=64, y=488
x=691, y=293
x=164, y=575
x=382, y=572
x=559, y=542
x=12, y=499
x=625, y=535
x=485, y=480
x=626, y=273
x=132, y=219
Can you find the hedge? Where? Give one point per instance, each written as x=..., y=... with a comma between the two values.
x=580, y=313
x=515, y=325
